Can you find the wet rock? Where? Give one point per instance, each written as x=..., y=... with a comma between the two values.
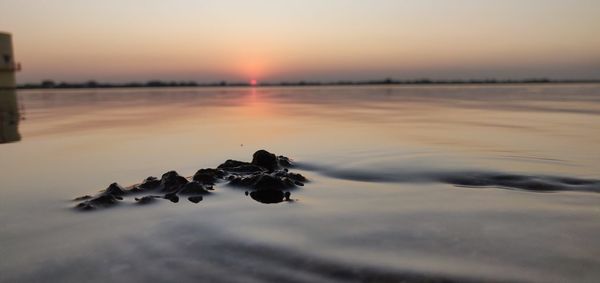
x=291, y=178
x=270, y=182
x=232, y=164
x=172, y=181
x=208, y=176
x=150, y=183
x=278, y=180
x=194, y=188
x=104, y=200
x=265, y=160
x=266, y=176
x=284, y=161
x=244, y=181
x=115, y=190
x=245, y=169
x=146, y=199
x=297, y=177
x=195, y=199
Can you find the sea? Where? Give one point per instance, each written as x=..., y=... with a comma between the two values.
x=429, y=183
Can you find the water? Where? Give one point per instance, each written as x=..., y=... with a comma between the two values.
x=446, y=183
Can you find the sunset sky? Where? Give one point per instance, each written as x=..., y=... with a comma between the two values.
x=273, y=40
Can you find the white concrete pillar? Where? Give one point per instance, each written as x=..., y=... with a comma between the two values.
x=8, y=65
x=9, y=116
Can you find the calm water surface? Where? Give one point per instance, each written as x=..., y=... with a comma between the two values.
x=456, y=183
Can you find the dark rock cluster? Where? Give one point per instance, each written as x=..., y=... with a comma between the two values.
x=267, y=177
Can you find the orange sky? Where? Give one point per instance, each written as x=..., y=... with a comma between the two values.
x=275, y=40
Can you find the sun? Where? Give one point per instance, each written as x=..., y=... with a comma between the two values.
x=253, y=82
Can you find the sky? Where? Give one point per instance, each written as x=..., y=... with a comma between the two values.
x=275, y=40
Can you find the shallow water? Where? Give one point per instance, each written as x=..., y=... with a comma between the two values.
x=446, y=183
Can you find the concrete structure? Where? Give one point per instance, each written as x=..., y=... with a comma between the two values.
x=9, y=116
x=8, y=65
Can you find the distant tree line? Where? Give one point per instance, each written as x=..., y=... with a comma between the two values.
x=152, y=83
x=47, y=84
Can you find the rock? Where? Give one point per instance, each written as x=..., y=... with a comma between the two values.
x=265, y=179
x=284, y=161
x=195, y=199
x=115, y=190
x=194, y=188
x=277, y=180
x=171, y=181
x=246, y=169
x=208, y=176
x=105, y=199
x=297, y=177
x=149, y=183
x=270, y=182
x=244, y=181
x=265, y=160
x=232, y=164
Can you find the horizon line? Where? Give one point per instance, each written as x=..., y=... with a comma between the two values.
x=49, y=84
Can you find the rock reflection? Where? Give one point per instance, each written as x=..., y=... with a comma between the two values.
x=9, y=116
x=270, y=196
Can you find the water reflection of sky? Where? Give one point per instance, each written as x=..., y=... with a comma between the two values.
x=389, y=197
x=533, y=122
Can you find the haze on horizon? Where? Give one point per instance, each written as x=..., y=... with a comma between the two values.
x=271, y=40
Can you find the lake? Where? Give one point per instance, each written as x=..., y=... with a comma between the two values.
x=465, y=183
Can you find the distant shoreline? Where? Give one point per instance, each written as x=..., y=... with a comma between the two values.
x=161, y=84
